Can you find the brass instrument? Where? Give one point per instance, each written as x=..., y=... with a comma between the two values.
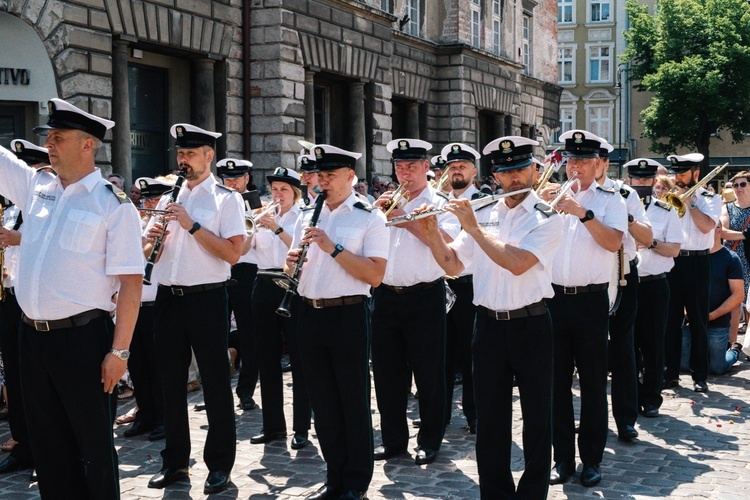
x=678, y=201
x=479, y=203
x=549, y=169
x=399, y=198
x=250, y=220
x=574, y=181
x=444, y=179
x=2, y=257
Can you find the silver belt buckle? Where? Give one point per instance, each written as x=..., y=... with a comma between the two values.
x=41, y=326
x=177, y=291
x=316, y=305
x=502, y=315
x=569, y=290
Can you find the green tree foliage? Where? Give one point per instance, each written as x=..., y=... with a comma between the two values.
x=694, y=57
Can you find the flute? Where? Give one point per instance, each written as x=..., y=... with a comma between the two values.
x=156, y=248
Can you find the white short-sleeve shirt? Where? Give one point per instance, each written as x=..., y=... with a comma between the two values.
x=270, y=250
x=666, y=227
x=694, y=238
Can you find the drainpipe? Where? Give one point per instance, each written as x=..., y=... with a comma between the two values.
x=246, y=79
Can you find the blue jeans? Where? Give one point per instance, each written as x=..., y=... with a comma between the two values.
x=720, y=359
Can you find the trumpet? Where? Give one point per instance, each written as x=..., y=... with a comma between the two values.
x=399, y=198
x=478, y=203
x=677, y=201
x=250, y=220
x=574, y=181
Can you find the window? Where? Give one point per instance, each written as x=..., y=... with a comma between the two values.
x=600, y=63
x=496, y=27
x=600, y=121
x=565, y=11
x=496, y=8
x=385, y=5
x=567, y=120
x=566, y=63
x=476, y=23
x=526, y=43
x=600, y=11
x=412, y=10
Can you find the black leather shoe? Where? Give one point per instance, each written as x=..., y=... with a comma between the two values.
x=247, y=403
x=671, y=383
x=700, y=386
x=137, y=429
x=425, y=456
x=561, y=472
x=167, y=476
x=217, y=481
x=299, y=441
x=417, y=422
x=267, y=437
x=626, y=434
x=590, y=476
x=325, y=493
x=157, y=434
x=471, y=426
x=354, y=495
x=33, y=478
x=383, y=453
x=650, y=412
x=12, y=464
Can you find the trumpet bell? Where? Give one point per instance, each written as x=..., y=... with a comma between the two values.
x=675, y=202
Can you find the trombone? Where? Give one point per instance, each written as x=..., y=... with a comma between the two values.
x=251, y=226
x=444, y=179
x=399, y=198
x=478, y=203
x=677, y=201
x=574, y=181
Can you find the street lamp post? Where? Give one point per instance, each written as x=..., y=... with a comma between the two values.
x=621, y=68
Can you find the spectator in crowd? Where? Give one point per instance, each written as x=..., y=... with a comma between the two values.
x=361, y=188
x=117, y=180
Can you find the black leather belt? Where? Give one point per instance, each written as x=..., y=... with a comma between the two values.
x=187, y=290
x=244, y=264
x=10, y=290
x=536, y=309
x=462, y=279
x=575, y=290
x=693, y=253
x=148, y=304
x=651, y=277
x=56, y=324
x=633, y=263
x=338, y=301
x=401, y=290
x=270, y=273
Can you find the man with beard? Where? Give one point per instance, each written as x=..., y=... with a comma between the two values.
x=689, y=279
x=459, y=160
x=513, y=243
x=206, y=230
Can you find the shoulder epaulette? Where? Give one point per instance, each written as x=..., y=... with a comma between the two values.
x=362, y=206
x=545, y=209
x=121, y=196
x=661, y=204
x=307, y=207
x=606, y=190
x=222, y=186
x=478, y=195
x=708, y=193
x=485, y=206
x=442, y=195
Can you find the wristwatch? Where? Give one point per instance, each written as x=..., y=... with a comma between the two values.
x=631, y=219
x=654, y=244
x=337, y=250
x=589, y=216
x=279, y=231
x=195, y=227
x=123, y=354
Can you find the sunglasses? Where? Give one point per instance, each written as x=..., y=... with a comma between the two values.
x=739, y=184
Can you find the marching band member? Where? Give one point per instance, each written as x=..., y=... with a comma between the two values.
x=308, y=177
x=403, y=341
x=347, y=256
x=690, y=278
x=459, y=160
x=510, y=245
x=621, y=349
x=594, y=219
x=206, y=230
x=656, y=260
x=80, y=246
x=235, y=174
x=271, y=242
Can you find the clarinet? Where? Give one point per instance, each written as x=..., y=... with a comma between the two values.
x=284, y=308
x=156, y=248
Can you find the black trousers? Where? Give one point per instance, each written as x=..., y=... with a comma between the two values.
x=460, y=326
x=622, y=354
x=70, y=417
x=270, y=331
x=579, y=324
x=650, y=325
x=198, y=321
x=689, y=283
x=145, y=370
x=239, y=303
x=520, y=348
x=408, y=334
x=10, y=321
x=335, y=356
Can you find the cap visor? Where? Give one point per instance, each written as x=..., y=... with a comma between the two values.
x=516, y=166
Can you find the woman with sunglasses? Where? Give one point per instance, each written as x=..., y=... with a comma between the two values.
x=735, y=218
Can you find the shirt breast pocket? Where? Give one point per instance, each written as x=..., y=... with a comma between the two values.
x=204, y=215
x=349, y=237
x=80, y=231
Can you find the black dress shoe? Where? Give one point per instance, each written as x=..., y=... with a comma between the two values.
x=650, y=411
x=561, y=472
x=13, y=464
x=267, y=437
x=626, y=434
x=354, y=495
x=33, y=478
x=700, y=386
x=590, y=475
x=471, y=426
x=671, y=383
x=247, y=403
x=325, y=492
x=217, y=481
x=157, y=434
x=383, y=453
x=425, y=456
x=417, y=422
x=167, y=476
x=299, y=441
x=137, y=429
